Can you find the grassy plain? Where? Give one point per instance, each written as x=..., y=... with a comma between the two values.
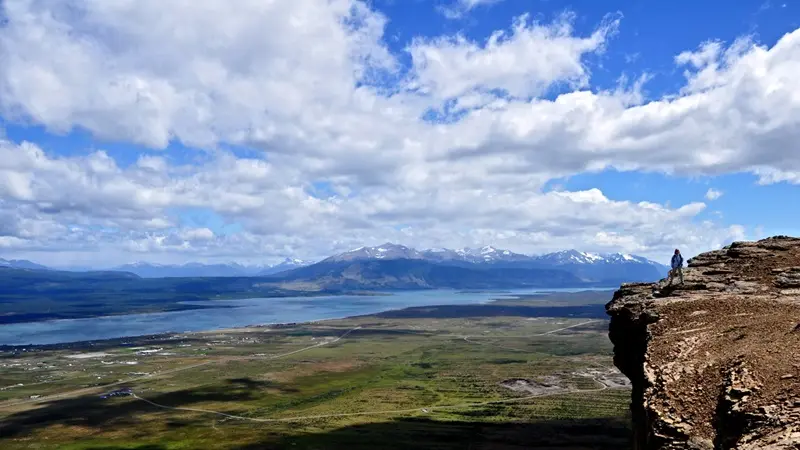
x=438, y=379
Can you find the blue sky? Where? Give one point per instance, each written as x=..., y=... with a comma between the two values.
x=650, y=36
x=305, y=128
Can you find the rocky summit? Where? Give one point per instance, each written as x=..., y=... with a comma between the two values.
x=715, y=362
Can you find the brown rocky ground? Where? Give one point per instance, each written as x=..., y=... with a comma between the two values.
x=715, y=362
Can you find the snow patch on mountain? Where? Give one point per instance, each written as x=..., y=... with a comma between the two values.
x=385, y=251
x=592, y=256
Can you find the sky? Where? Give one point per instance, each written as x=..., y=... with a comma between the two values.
x=255, y=130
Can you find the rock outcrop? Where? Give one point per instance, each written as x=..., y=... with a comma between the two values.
x=715, y=362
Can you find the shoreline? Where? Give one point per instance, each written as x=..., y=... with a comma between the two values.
x=396, y=312
x=187, y=305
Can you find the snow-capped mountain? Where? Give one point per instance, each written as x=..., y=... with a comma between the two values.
x=21, y=264
x=489, y=254
x=576, y=257
x=286, y=264
x=627, y=258
x=388, y=251
x=610, y=268
x=385, y=251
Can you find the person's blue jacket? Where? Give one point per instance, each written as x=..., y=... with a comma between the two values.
x=677, y=261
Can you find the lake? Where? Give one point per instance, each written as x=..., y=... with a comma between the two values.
x=238, y=313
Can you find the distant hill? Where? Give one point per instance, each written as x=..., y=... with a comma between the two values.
x=151, y=270
x=28, y=295
x=14, y=278
x=21, y=264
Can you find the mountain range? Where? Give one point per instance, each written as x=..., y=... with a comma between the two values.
x=151, y=270
x=33, y=292
x=392, y=251
x=392, y=266
x=487, y=255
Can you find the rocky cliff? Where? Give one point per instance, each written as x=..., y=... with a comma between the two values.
x=715, y=362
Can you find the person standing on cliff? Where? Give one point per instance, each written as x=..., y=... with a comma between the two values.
x=677, y=266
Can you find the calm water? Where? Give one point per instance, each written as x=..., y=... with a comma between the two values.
x=242, y=312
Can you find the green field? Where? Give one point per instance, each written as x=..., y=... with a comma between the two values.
x=502, y=382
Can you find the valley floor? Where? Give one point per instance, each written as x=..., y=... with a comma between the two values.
x=430, y=381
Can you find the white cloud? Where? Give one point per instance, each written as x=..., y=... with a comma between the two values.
x=524, y=62
x=130, y=211
x=459, y=8
x=737, y=113
x=299, y=81
x=469, y=4
x=713, y=194
x=199, y=234
x=149, y=71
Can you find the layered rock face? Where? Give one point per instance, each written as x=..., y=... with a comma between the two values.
x=715, y=362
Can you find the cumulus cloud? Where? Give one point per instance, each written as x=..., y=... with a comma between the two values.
x=151, y=71
x=713, y=194
x=522, y=63
x=131, y=210
x=737, y=111
x=304, y=84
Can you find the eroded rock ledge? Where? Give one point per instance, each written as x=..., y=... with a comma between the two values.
x=715, y=362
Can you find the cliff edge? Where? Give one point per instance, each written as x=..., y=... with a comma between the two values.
x=715, y=362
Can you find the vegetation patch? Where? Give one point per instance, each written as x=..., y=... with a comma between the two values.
x=398, y=381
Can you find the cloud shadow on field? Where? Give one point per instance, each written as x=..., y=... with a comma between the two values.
x=579, y=434
x=90, y=418
x=94, y=412
x=464, y=311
